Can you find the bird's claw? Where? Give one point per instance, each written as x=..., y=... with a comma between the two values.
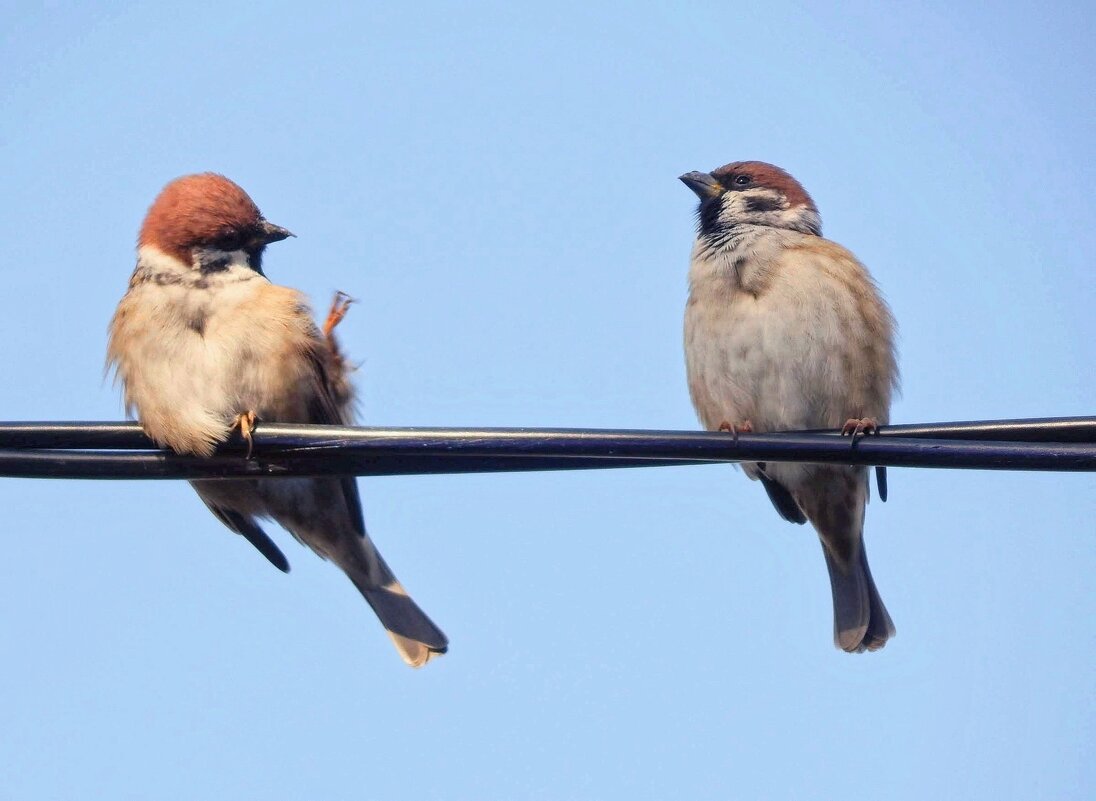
x=339, y=307
x=734, y=429
x=857, y=428
x=246, y=424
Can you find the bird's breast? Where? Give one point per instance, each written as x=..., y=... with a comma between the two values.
x=192, y=358
x=789, y=356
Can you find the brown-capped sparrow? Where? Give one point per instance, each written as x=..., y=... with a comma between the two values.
x=203, y=342
x=785, y=330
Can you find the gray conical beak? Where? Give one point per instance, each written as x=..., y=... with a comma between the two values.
x=273, y=233
x=705, y=186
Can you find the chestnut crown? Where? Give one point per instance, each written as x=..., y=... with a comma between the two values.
x=210, y=212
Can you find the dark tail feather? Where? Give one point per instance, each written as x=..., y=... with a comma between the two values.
x=782, y=500
x=880, y=626
x=250, y=530
x=414, y=634
x=860, y=621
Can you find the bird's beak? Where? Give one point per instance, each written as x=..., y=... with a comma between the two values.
x=705, y=186
x=273, y=233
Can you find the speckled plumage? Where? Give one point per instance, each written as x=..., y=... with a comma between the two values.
x=786, y=330
x=202, y=337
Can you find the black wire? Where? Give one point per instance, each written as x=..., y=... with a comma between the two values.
x=74, y=450
x=128, y=436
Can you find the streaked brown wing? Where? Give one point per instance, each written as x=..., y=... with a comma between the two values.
x=331, y=406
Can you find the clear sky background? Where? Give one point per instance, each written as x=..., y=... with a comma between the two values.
x=498, y=186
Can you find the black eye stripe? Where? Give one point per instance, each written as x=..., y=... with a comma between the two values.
x=742, y=180
x=239, y=239
x=228, y=242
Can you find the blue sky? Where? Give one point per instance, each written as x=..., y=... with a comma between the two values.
x=497, y=185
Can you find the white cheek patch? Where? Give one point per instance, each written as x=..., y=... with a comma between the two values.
x=754, y=205
x=767, y=207
x=156, y=262
x=209, y=260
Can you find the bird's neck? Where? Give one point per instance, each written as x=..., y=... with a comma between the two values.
x=740, y=259
x=156, y=266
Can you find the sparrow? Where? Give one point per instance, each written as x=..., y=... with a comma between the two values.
x=786, y=330
x=204, y=343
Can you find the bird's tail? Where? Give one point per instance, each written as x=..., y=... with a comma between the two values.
x=860, y=621
x=414, y=634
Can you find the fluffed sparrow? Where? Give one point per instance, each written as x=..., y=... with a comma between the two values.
x=203, y=342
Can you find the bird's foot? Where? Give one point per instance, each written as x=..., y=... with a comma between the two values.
x=339, y=307
x=734, y=429
x=859, y=427
x=246, y=423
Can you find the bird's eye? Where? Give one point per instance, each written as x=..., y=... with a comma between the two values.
x=742, y=180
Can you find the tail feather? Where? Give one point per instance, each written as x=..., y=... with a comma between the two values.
x=860, y=620
x=880, y=626
x=415, y=635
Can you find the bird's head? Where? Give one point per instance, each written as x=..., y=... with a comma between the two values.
x=208, y=223
x=751, y=193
